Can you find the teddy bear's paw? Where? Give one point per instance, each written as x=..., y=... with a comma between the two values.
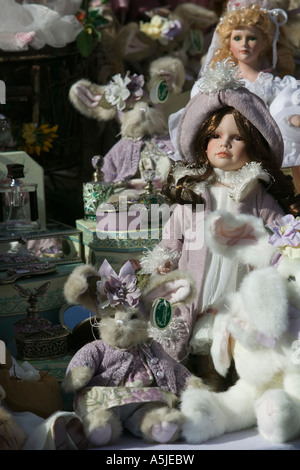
x=164, y=432
x=12, y=436
x=278, y=416
x=161, y=424
x=77, y=378
x=100, y=436
x=203, y=418
x=101, y=427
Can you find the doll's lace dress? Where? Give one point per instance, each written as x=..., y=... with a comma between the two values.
x=282, y=96
x=222, y=275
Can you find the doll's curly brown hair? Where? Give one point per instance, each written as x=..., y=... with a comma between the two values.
x=258, y=150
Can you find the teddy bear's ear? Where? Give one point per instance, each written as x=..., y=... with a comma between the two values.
x=177, y=287
x=89, y=99
x=169, y=68
x=265, y=299
x=242, y=236
x=133, y=45
x=80, y=287
x=221, y=347
x=192, y=15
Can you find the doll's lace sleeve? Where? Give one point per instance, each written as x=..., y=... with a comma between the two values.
x=157, y=258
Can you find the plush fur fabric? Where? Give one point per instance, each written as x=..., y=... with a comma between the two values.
x=74, y=380
x=12, y=437
x=173, y=66
x=107, y=362
x=253, y=327
x=81, y=285
x=143, y=120
x=176, y=286
x=86, y=96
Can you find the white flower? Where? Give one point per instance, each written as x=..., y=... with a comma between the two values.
x=116, y=92
x=223, y=76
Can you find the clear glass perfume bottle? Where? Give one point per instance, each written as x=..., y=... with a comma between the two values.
x=97, y=191
x=18, y=202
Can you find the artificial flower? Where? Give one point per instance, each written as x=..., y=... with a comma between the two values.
x=286, y=232
x=161, y=29
x=116, y=92
x=37, y=139
x=92, y=21
x=171, y=29
x=114, y=290
x=122, y=91
x=225, y=75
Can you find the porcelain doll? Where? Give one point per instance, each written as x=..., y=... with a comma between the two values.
x=250, y=34
x=231, y=150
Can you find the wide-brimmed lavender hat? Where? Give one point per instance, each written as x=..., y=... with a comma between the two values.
x=220, y=87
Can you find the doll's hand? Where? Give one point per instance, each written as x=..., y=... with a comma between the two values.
x=295, y=120
x=166, y=268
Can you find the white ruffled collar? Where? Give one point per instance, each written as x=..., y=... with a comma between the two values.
x=240, y=182
x=243, y=181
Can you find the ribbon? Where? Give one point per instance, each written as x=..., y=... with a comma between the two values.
x=274, y=16
x=116, y=289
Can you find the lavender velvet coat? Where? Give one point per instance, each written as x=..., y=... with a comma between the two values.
x=257, y=202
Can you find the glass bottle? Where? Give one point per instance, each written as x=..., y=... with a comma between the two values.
x=97, y=191
x=18, y=202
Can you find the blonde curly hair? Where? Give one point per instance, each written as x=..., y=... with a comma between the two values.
x=257, y=17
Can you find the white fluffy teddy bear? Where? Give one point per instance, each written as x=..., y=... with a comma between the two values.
x=258, y=327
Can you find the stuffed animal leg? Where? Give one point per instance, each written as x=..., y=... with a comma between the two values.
x=257, y=327
x=212, y=414
x=278, y=411
x=153, y=423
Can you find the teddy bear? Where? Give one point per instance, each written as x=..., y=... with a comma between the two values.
x=139, y=106
x=258, y=327
x=179, y=32
x=12, y=436
x=125, y=380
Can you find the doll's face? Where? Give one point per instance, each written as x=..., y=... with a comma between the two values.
x=246, y=44
x=226, y=149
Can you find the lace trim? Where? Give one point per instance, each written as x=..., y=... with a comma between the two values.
x=172, y=336
x=241, y=182
x=157, y=258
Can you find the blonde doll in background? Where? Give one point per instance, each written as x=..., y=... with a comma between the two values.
x=249, y=35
